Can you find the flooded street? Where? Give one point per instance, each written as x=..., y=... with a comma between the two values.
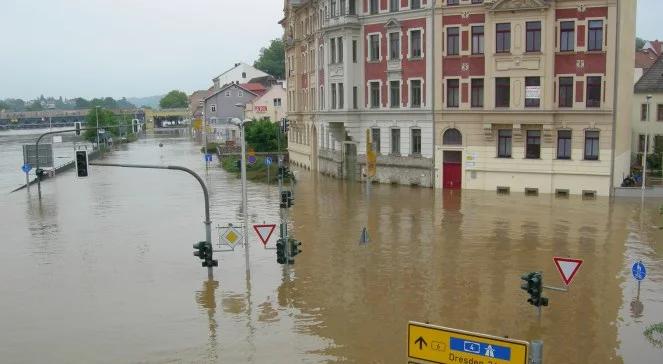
x=101, y=270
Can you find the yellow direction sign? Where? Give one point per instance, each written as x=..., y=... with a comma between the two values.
x=372, y=159
x=450, y=346
x=252, y=153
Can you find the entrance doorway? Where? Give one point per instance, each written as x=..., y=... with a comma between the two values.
x=452, y=170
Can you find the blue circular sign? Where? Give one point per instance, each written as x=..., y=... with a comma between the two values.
x=26, y=168
x=252, y=160
x=639, y=271
x=268, y=160
x=208, y=157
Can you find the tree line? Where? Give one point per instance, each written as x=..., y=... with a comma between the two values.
x=44, y=103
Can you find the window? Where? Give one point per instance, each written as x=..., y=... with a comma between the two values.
x=477, y=1
x=415, y=44
x=394, y=5
x=452, y=93
x=533, y=149
x=565, y=91
x=416, y=141
x=415, y=93
x=333, y=96
x=375, y=95
x=228, y=93
x=502, y=92
x=341, y=96
x=452, y=2
x=477, y=40
x=333, y=8
x=340, y=49
x=503, y=38
x=342, y=7
x=659, y=112
x=243, y=74
x=533, y=36
x=396, y=141
x=593, y=91
x=595, y=35
x=532, y=91
x=415, y=4
x=277, y=102
x=375, y=47
x=564, y=144
x=394, y=45
x=477, y=92
x=354, y=97
x=354, y=51
x=332, y=45
x=351, y=5
x=504, y=143
x=373, y=6
x=213, y=108
x=452, y=137
x=641, y=143
x=395, y=93
x=591, y=145
x=240, y=93
x=452, y=41
x=643, y=112
x=322, y=98
x=567, y=36
x=375, y=135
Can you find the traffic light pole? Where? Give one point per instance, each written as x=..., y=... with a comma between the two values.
x=207, y=222
x=59, y=132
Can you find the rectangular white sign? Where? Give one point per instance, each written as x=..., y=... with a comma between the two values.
x=533, y=92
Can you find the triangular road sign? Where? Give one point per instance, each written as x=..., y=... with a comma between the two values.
x=567, y=268
x=264, y=232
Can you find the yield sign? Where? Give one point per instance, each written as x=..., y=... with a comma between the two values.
x=264, y=232
x=567, y=268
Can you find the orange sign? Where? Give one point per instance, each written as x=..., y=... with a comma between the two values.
x=260, y=109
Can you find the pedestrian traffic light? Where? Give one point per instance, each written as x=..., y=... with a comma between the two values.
x=294, y=247
x=204, y=252
x=280, y=251
x=287, y=200
x=534, y=286
x=78, y=128
x=81, y=163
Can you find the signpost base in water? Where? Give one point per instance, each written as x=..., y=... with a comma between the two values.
x=364, y=238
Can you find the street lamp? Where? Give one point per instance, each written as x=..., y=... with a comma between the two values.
x=96, y=111
x=245, y=207
x=644, y=154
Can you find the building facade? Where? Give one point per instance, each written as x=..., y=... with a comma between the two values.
x=240, y=73
x=220, y=108
x=508, y=95
x=647, y=117
x=270, y=105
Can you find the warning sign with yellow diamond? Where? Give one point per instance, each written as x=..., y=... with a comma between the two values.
x=229, y=236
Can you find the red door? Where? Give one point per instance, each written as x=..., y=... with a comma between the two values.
x=452, y=176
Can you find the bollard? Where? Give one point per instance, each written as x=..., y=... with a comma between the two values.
x=537, y=352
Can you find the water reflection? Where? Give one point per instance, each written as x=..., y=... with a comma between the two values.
x=206, y=298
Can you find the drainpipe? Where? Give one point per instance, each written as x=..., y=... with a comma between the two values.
x=433, y=93
x=614, y=105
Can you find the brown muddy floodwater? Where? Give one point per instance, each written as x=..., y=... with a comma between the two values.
x=102, y=269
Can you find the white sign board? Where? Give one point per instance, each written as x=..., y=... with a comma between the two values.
x=470, y=160
x=533, y=92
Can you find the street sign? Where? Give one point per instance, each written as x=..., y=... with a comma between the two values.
x=567, y=268
x=230, y=236
x=264, y=232
x=252, y=160
x=45, y=155
x=371, y=158
x=639, y=271
x=26, y=168
x=208, y=157
x=444, y=345
x=268, y=161
x=252, y=153
x=57, y=139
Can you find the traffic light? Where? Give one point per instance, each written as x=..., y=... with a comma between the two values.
x=40, y=173
x=280, y=251
x=534, y=286
x=284, y=126
x=134, y=125
x=287, y=200
x=294, y=247
x=238, y=164
x=204, y=252
x=81, y=163
x=78, y=128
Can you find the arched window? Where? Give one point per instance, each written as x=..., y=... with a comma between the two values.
x=452, y=137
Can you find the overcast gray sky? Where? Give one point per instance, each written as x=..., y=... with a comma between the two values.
x=94, y=48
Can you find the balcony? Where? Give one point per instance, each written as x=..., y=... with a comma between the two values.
x=296, y=3
x=394, y=65
x=341, y=21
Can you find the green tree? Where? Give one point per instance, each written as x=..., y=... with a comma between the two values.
x=262, y=136
x=639, y=43
x=107, y=119
x=174, y=99
x=4, y=106
x=35, y=106
x=272, y=59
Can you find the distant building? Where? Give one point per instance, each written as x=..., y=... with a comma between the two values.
x=651, y=122
x=270, y=105
x=196, y=103
x=220, y=109
x=240, y=73
x=646, y=57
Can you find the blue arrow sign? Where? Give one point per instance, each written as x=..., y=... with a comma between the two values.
x=208, y=157
x=26, y=168
x=639, y=271
x=479, y=348
x=268, y=160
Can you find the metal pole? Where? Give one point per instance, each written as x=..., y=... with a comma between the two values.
x=27, y=181
x=644, y=152
x=96, y=111
x=205, y=138
x=207, y=222
x=537, y=352
x=244, y=196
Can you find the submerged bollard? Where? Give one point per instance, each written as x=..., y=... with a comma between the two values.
x=537, y=351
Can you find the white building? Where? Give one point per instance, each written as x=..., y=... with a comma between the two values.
x=240, y=73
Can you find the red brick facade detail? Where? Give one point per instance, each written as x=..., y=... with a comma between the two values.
x=573, y=13
x=464, y=94
x=580, y=91
x=465, y=40
x=459, y=20
x=453, y=66
x=580, y=64
x=581, y=35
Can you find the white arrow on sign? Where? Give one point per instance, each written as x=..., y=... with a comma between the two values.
x=567, y=268
x=264, y=232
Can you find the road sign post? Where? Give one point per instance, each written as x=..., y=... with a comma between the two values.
x=443, y=345
x=567, y=268
x=264, y=232
x=26, y=168
x=639, y=273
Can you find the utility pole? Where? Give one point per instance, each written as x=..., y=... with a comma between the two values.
x=644, y=152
